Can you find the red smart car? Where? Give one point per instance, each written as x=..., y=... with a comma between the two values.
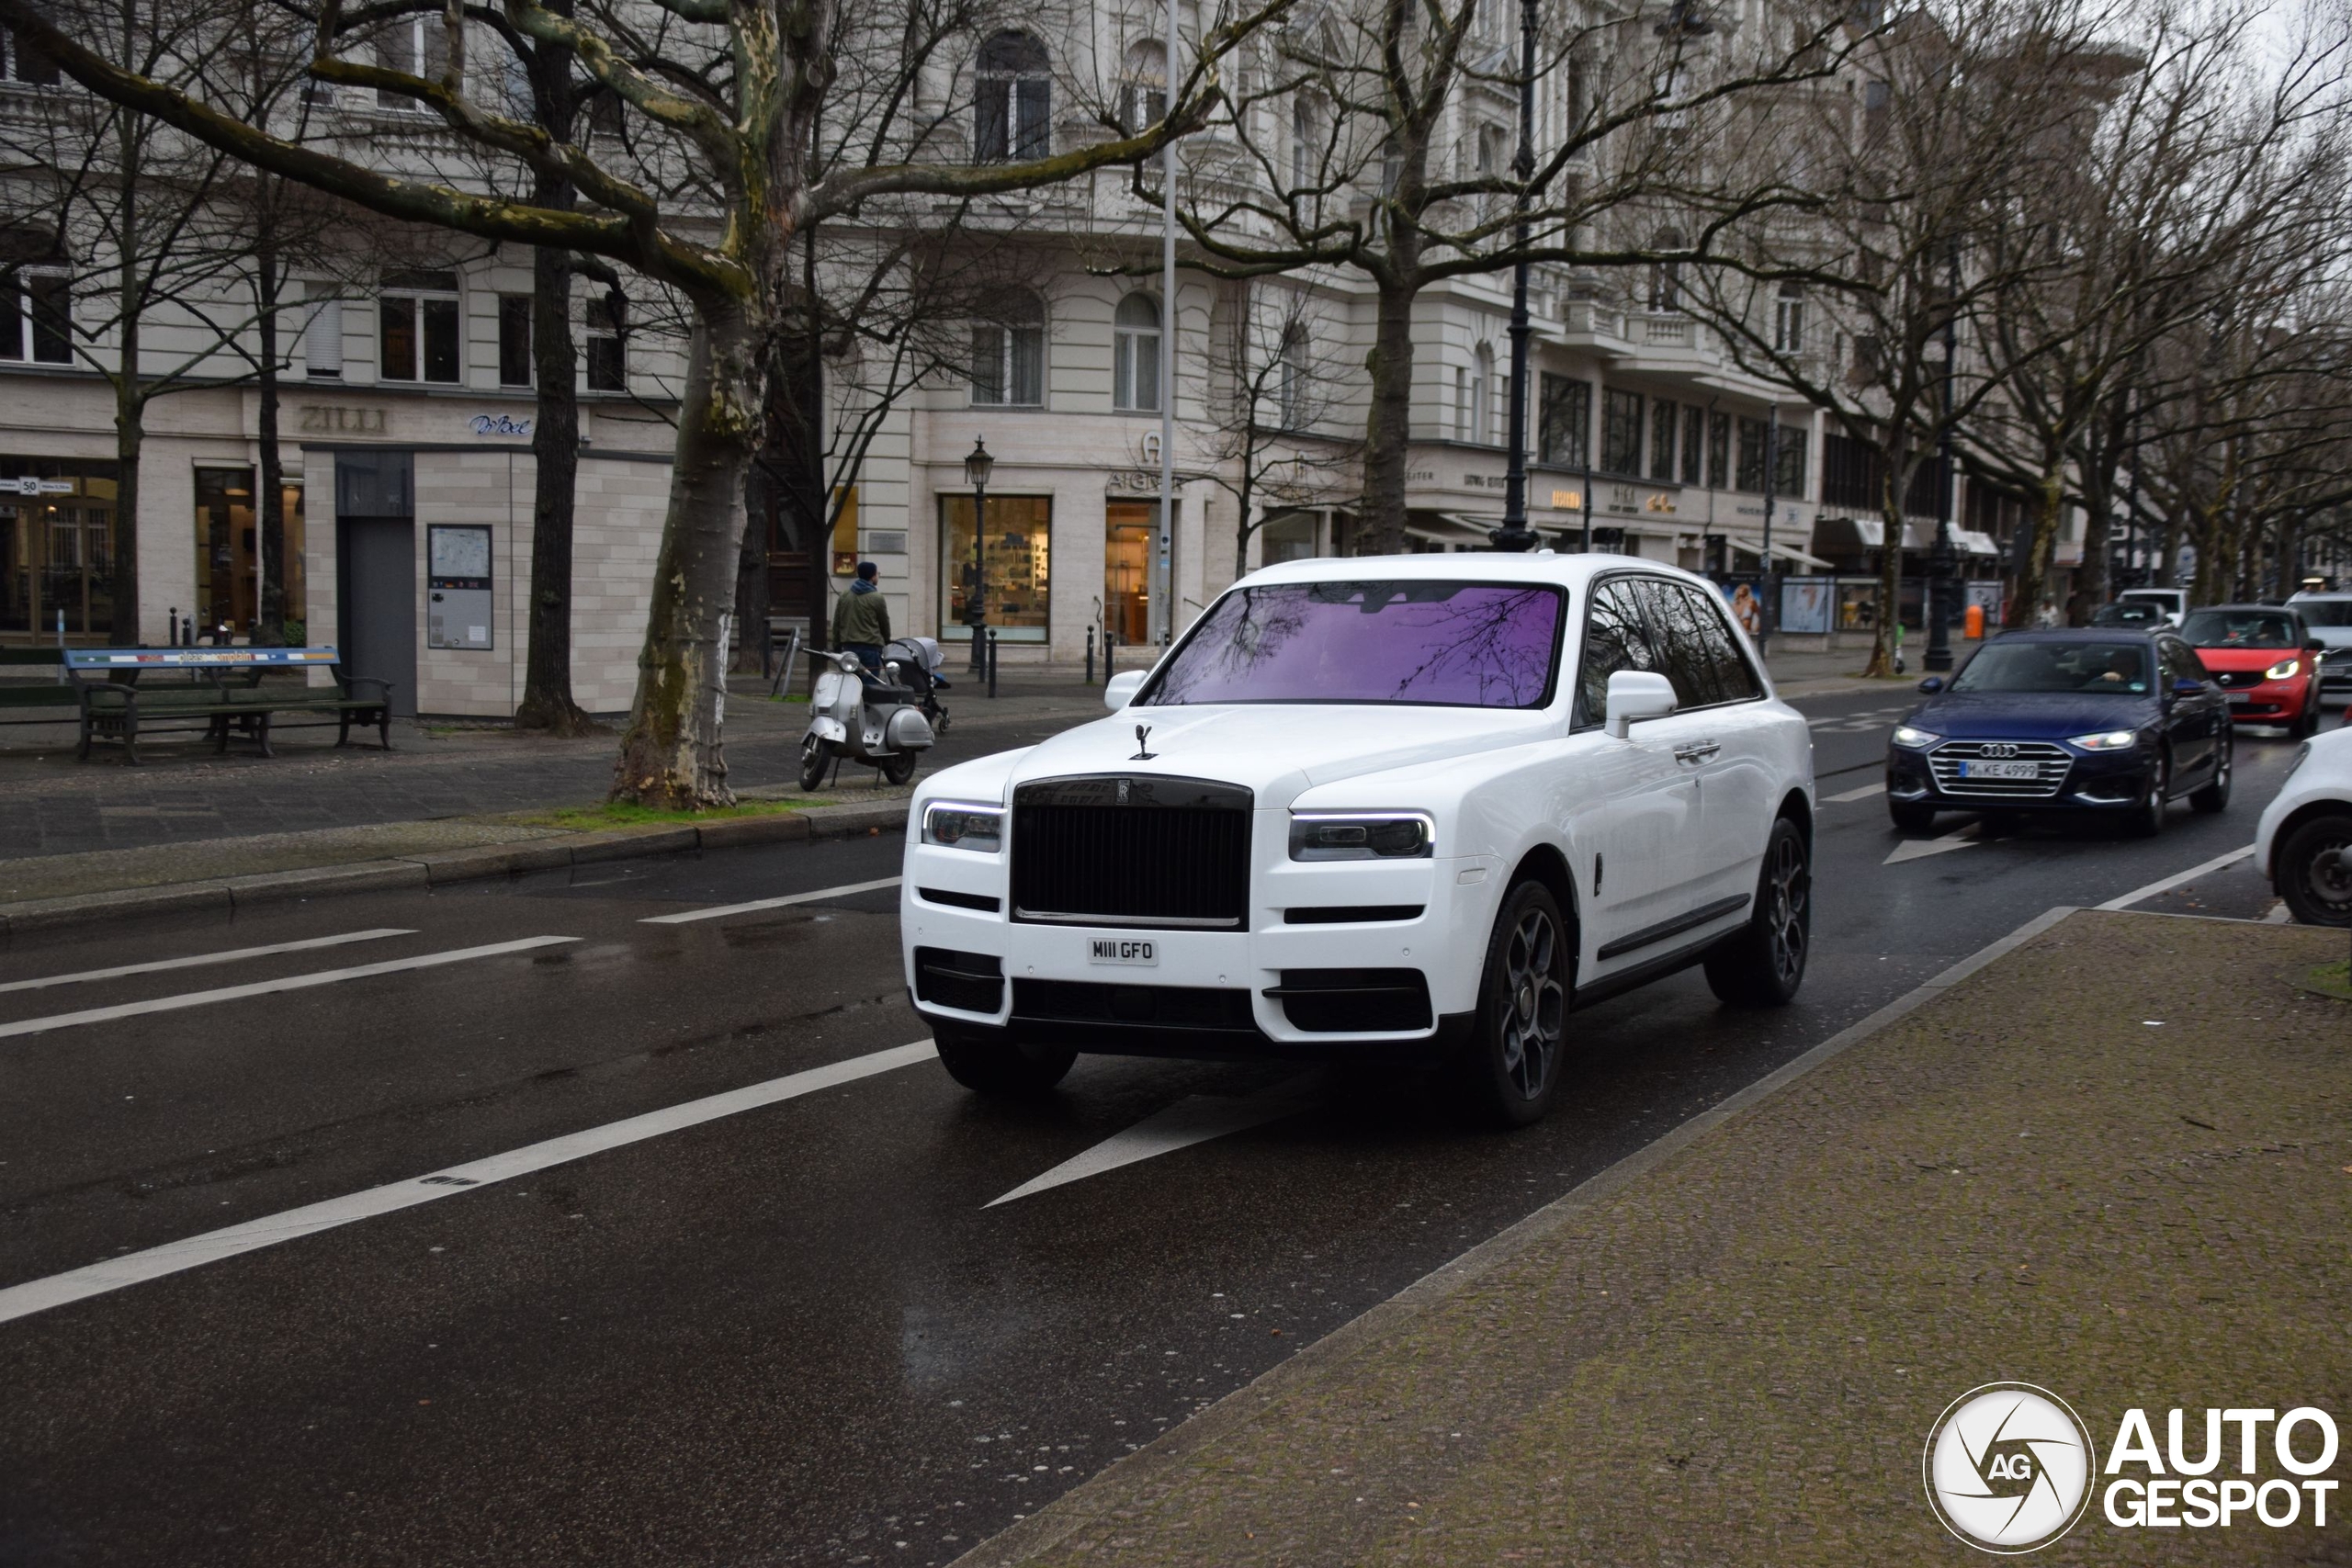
x=2265, y=659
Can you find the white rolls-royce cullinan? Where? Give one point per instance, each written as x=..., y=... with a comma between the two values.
x=1418, y=806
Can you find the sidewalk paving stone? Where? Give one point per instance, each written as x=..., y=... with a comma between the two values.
x=2087, y=1167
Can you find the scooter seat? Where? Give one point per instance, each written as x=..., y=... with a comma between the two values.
x=881, y=696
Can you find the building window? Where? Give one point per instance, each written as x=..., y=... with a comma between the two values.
x=1620, y=432
x=416, y=46
x=1135, y=362
x=322, y=341
x=1665, y=277
x=1304, y=140
x=1665, y=421
x=1751, y=456
x=418, y=321
x=36, y=317
x=1718, y=450
x=56, y=545
x=1143, y=95
x=1014, y=563
x=1014, y=106
x=1290, y=379
x=1694, y=437
x=1009, y=351
x=513, y=340
x=27, y=63
x=229, y=564
x=1788, y=475
x=1563, y=420
x=1482, y=398
x=607, y=319
x=1787, y=319
x=1461, y=403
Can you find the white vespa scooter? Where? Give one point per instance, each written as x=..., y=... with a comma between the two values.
x=879, y=723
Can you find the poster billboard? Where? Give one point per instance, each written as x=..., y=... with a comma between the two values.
x=1804, y=604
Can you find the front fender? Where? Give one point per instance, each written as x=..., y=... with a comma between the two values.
x=828, y=729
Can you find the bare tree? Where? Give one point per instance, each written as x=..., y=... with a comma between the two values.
x=725, y=97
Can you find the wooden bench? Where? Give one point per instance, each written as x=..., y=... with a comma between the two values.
x=223, y=695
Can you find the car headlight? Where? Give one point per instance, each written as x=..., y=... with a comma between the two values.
x=2284, y=670
x=1905, y=735
x=1361, y=835
x=2107, y=741
x=953, y=825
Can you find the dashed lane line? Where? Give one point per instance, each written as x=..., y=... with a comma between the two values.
x=1864, y=793
x=212, y=1247
x=270, y=988
x=231, y=957
x=722, y=910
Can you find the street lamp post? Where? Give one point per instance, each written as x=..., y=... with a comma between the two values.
x=1515, y=535
x=977, y=468
x=1764, y=615
x=1943, y=561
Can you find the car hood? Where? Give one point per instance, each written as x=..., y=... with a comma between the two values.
x=1277, y=749
x=2029, y=716
x=2235, y=659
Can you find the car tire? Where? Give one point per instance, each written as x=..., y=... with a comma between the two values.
x=996, y=1067
x=1762, y=963
x=2215, y=797
x=1911, y=816
x=1510, y=1069
x=2306, y=723
x=2147, y=818
x=2317, y=894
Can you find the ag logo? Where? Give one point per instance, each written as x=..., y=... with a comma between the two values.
x=2008, y=1468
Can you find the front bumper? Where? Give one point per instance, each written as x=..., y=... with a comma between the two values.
x=1398, y=973
x=2092, y=783
x=2275, y=702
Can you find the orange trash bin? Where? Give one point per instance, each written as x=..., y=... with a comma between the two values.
x=1976, y=620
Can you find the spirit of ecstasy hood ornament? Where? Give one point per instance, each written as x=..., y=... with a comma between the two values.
x=1142, y=752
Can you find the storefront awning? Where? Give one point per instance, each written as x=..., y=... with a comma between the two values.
x=1852, y=536
x=1974, y=542
x=1787, y=552
x=1450, y=528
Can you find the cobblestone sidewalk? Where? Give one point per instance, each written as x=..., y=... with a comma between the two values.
x=2087, y=1167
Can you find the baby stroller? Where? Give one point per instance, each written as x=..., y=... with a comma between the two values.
x=919, y=661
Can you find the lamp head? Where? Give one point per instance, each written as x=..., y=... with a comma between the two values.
x=977, y=465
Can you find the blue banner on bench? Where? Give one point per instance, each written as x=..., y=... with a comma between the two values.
x=194, y=657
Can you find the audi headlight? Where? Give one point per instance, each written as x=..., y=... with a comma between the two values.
x=953, y=825
x=1361, y=835
x=2107, y=741
x=1916, y=739
x=2284, y=670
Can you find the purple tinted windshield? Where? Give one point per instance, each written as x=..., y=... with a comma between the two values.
x=1457, y=644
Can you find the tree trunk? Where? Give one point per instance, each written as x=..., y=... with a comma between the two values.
x=555, y=455
x=670, y=757
x=751, y=592
x=269, y=630
x=130, y=437
x=2098, y=527
x=2049, y=512
x=1896, y=482
x=1388, y=427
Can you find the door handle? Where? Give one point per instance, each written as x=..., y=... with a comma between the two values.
x=1698, y=752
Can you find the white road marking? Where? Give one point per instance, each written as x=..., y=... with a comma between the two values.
x=172, y=1257
x=269, y=987
x=200, y=959
x=2169, y=882
x=1919, y=848
x=1192, y=1120
x=725, y=910
x=1864, y=793
x=2279, y=914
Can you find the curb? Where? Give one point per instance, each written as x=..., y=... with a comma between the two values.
x=1111, y=1491
x=438, y=868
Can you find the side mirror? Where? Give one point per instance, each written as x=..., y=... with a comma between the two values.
x=1932, y=684
x=2185, y=687
x=1121, y=689
x=1637, y=694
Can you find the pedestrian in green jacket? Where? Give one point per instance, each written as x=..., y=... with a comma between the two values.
x=861, y=618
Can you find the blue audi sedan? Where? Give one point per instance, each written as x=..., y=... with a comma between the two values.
x=2098, y=721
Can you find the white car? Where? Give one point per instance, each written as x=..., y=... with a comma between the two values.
x=1406, y=805
x=2305, y=831
x=2173, y=602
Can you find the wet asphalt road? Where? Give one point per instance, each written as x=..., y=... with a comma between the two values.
x=796, y=1333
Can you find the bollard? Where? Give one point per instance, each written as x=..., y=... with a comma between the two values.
x=1090, y=656
x=991, y=661
x=173, y=638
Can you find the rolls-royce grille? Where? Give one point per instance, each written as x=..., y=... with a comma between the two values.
x=2048, y=760
x=1132, y=852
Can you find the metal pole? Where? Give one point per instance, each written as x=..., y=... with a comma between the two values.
x=1090, y=656
x=991, y=663
x=1167, y=559
x=1765, y=616
x=976, y=611
x=1591, y=412
x=1514, y=533
x=1943, y=561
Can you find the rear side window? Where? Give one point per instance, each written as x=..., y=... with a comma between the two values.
x=1616, y=637
x=1735, y=680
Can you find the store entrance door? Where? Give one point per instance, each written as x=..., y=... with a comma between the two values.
x=376, y=559
x=1129, y=536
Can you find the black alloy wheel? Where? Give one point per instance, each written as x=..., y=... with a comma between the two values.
x=2309, y=869
x=1512, y=1066
x=2146, y=818
x=1762, y=963
x=2215, y=796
